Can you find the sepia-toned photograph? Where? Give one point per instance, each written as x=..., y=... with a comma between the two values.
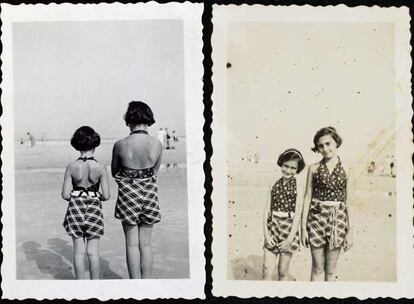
x=100, y=148
x=311, y=120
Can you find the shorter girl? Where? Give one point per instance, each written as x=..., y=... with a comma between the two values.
x=281, y=218
x=84, y=218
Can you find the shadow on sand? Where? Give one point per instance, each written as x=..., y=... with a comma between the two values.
x=249, y=268
x=56, y=260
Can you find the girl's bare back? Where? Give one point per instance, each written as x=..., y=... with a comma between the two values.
x=138, y=151
x=85, y=174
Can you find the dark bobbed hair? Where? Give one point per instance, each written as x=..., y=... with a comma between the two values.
x=326, y=131
x=139, y=113
x=292, y=154
x=85, y=139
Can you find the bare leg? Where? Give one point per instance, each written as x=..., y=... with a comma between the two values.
x=283, y=268
x=145, y=250
x=269, y=264
x=132, y=253
x=79, y=257
x=93, y=255
x=318, y=263
x=330, y=264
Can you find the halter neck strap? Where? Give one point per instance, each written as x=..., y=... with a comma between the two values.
x=139, y=132
x=84, y=159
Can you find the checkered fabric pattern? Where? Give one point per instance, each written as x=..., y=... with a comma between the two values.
x=137, y=201
x=279, y=229
x=84, y=217
x=327, y=225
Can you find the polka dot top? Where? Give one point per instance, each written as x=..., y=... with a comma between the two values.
x=283, y=196
x=329, y=186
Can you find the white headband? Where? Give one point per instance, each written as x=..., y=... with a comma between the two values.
x=294, y=152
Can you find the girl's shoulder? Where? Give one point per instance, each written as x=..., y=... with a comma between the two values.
x=313, y=167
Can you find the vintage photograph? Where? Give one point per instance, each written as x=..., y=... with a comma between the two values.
x=311, y=119
x=100, y=145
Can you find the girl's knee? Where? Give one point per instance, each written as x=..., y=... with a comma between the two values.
x=145, y=246
x=318, y=269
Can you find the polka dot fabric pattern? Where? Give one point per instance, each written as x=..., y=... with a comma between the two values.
x=283, y=196
x=279, y=229
x=329, y=186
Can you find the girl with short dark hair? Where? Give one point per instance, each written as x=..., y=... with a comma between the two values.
x=136, y=160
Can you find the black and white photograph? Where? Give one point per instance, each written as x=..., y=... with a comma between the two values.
x=104, y=121
x=311, y=118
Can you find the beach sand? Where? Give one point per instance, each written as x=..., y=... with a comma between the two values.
x=372, y=258
x=44, y=250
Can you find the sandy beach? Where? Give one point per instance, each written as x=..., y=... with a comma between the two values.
x=44, y=250
x=373, y=257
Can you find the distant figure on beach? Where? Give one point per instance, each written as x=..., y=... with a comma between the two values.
x=42, y=138
x=136, y=160
x=162, y=137
x=174, y=139
x=174, y=136
x=32, y=139
x=371, y=167
x=84, y=219
x=168, y=137
x=392, y=166
x=21, y=140
x=281, y=217
x=327, y=209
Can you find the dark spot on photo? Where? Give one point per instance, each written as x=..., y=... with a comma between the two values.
x=228, y=65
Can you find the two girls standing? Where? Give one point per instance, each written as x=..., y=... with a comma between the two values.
x=136, y=160
x=325, y=211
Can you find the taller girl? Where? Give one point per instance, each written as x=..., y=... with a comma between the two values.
x=136, y=160
x=327, y=216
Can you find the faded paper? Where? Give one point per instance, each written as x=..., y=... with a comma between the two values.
x=279, y=75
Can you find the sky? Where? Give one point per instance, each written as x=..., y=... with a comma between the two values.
x=287, y=80
x=69, y=74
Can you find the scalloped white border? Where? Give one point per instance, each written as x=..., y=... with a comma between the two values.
x=111, y=289
x=222, y=15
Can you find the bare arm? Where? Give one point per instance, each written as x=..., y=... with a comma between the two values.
x=306, y=200
x=158, y=162
x=105, y=184
x=297, y=217
x=350, y=186
x=115, y=164
x=266, y=212
x=67, y=184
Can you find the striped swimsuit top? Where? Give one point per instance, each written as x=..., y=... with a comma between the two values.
x=329, y=186
x=283, y=196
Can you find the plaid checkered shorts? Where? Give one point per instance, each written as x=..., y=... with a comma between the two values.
x=327, y=225
x=137, y=201
x=84, y=217
x=279, y=229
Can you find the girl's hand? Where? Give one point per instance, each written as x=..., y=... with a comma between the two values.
x=284, y=245
x=269, y=240
x=349, y=241
x=305, y=237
